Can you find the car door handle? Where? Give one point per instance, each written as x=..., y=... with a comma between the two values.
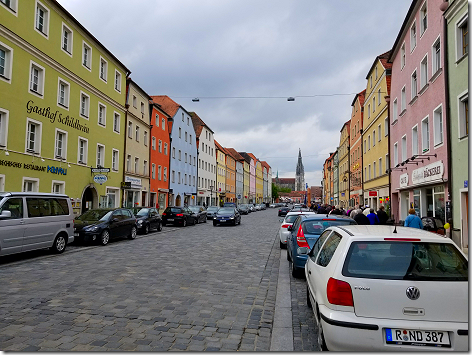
x=309, y=272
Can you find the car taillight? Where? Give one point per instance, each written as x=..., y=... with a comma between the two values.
x=285, y=225
x=339, y=293
x=301, y=240
x=163, y=213
x=179, y=215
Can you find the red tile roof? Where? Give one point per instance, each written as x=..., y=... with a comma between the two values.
x=168, y=105
x=219, y=147
x=234, y=154
x=361, y=97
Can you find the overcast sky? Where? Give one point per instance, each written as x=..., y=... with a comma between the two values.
x=244, y=58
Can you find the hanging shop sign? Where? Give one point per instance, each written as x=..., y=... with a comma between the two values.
x=100, y=178
x=125, y=185
x=100, y=170
x=404, y=180
x=372, y=193
x=135, y=182
x=431, y=172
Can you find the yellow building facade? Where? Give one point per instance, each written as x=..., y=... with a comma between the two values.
x=259, y=182
x=343, y=167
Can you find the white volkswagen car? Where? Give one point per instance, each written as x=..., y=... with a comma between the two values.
x=377, y=288
x=287, y=222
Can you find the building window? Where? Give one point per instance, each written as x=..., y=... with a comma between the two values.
x=100, y=155
x=82, y=151
x=145, y=138
x=103, y=69
x=395, y=154
x=403, y=99
x=414, y=85
x=116, y=122
x=5, y=62
x=142, y=108
x=379, y=132
x=380, y=167
x=3, y=127
x=373, y=138
x=413, y=37
x=10, y=4
x=173, y=152
x=423, y=19
x=61, y=144
x=370, y=172
x=373, y=104
x=130, y=130
x=424, y=72
x=403, y=55
x=414, y=141
x=436, y=55
x=173, y=176
x=128, y=163
x=37, y=79
x=135, y=102
x=63, y=93
x=86, y=56
x=117, y=81
x=180, y=154
x=375, y=169
x=145, y=168
x=165, y=174
x=425, y=134
x=153, y=144
x=33, y=137
x=404, y=153
x=102, y=114
x=165, y=148
x=84, y=105
x=30, y=185
x=157, y=120
x=153, y=171
x=386, y=126
x=136, y=165
x=42, y=19
x=137, y=133
x=178, y=177
x=379, y=98
x=464, y=116
x=186, y=136
x=115, y=160
x=58, y=187
x=462, y=37
x=438, y=126
x=394, y=111
x=67, y=37
x=180, y=132
x=368, y=142
x=160, y=146
x=163, y=125
x=159, y=173
x=368, y=111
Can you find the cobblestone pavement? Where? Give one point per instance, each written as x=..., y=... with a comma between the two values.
x=194, y=288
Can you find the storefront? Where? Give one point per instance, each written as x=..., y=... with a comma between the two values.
x=135, y=193
x=426, y=192
x=376, y=197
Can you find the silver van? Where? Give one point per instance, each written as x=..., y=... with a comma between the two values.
x=30, y=220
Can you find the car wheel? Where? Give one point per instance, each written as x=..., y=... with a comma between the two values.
x=159, y=227
x=132, y=235
x=321, y=340
x=282, y=246
x=288, y=256
x=308, y=301
x=146, y=229
x=104, y=237
x=59, y=244
x=184, y=223
x=214, y=224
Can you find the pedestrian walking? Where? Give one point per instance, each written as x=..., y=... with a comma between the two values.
x=336, y=211
x=361, y=219
x=366, y=210
x=373, y=219
x=383, y=216
x=413, y=220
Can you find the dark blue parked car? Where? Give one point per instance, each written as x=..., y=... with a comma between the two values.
x=227, y=215
x=304, y=232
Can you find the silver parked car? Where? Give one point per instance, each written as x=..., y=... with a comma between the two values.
x=30, y=221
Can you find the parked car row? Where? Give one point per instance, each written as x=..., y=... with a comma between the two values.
x=396, y=288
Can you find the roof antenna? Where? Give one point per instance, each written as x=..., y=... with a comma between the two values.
x=395, y=224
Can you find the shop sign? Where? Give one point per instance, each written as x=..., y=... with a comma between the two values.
x=125, y=185
x=100, y=170
x=372, y=193
x=56, y=116
x=404, y=180
x=201, y=192
x=135, y=182
x=239, y=196
x=431, y=172
x=100, y=178
x=42, y=168
x=466, y=184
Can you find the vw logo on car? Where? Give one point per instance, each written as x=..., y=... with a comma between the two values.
x=413, y=293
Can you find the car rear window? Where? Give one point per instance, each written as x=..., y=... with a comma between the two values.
x=419, y=261
x=173, y=210
x=317, y=226
x=291, y=219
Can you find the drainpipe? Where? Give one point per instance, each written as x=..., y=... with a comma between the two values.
x=387, y=98
x=448, y=132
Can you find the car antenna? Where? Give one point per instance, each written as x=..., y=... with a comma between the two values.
x=395, y=229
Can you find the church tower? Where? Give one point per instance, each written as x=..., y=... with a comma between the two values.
x=300, y=174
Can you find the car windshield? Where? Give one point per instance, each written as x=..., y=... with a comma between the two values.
x=419, y=261
x=95, y=215
x=226, y=210
x=291, y=218
x=317, y=226
x=141, y=212
x=173, y=210
x=212, y=209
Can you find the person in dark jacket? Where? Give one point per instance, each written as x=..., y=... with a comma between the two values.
x=336, y=211
x=383, y=216
x=322, y=210
x=373, y=219
x=361, y=219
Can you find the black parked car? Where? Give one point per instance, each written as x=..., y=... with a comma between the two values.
x=227, y=215
x=148, y=218
x=243, y=209
x=103, y=224
x=283, y=211
x=199, y=213
x=178, y=215
x=211, y=211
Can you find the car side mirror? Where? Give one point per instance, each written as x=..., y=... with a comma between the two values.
x=5, y=214
x=289, y=228
x=303, y=250
x=114, y=220
x=281, y=220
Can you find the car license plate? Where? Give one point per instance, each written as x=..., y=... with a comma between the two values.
x=222, y=220
x=170, y=219
x=435, y=338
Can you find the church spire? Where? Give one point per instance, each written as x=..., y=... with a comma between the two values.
x=300, y=173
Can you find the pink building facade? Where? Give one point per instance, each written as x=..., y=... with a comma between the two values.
x=418, y=139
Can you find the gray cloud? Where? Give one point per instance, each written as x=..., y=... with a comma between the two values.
x=247, y=48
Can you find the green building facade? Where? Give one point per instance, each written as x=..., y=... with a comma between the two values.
x=62, y=107
x=458, y=97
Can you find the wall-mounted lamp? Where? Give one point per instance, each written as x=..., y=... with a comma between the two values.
x=196, y=99
x=291, y=99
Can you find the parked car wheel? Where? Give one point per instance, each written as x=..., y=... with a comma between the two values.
x=308, y=301
x=159, y=227
x=321, y=339
x=295, y=270
x=282, y=246
x=132, y=235
x=104, y=237
x=59, y=244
